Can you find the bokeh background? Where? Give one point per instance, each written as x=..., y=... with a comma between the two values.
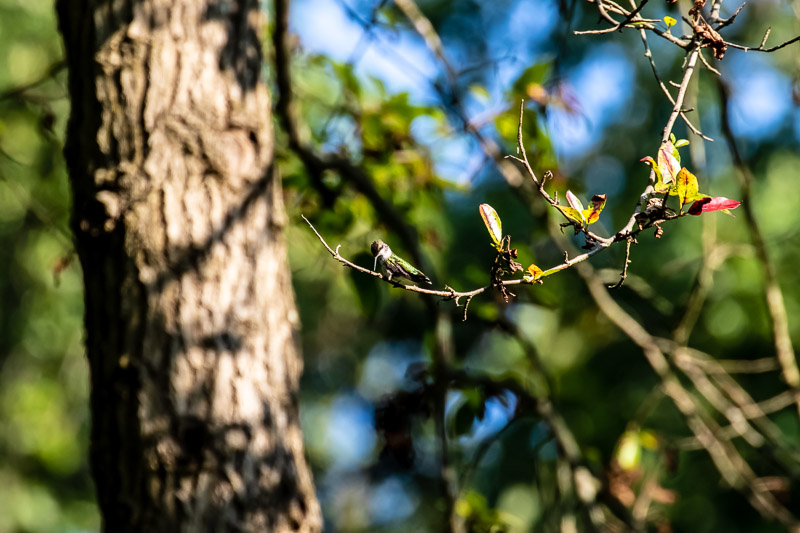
x=369, y=89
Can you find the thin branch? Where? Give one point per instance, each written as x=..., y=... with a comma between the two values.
x=624, y=274
x=453, y=100
x=677, y=107
x=317, y=165
x=640, y=23
x=649, y=55
x=715, y=7
x=624, y=22
x=428, y=33
x=774, y=295
x=708, y=65
x=720, y=23
x=448, y=294
x=730, y=464
x=761, y=48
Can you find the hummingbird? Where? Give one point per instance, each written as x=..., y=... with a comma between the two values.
x=394, y=265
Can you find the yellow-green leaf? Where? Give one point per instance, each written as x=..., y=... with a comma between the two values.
x=629, y=450
x=593, y=212
x=572, y=213
x=648, y=439
x=686, y=187
x=493, y=223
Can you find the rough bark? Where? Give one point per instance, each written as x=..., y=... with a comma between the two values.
x=190, y=316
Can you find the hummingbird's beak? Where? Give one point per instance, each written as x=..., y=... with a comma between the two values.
x=375, y=264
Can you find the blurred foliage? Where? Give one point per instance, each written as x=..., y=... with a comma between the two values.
x=44, y=388
x=366, y=400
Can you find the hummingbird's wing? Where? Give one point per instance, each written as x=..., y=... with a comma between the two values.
x=407, y=270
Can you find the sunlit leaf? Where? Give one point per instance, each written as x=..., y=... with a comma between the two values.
x=668, y=164
x=572, y=213
x=493, y=223
x=681, y=142
x=629, y=450
x=574, y=201
x=592, y=214
x=575, y=212
x=648, y=439
x=670, y=22
x=533, y=273
x=686, y=187
x=713, y=203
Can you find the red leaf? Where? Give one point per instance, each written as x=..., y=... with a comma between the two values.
x=716, y=203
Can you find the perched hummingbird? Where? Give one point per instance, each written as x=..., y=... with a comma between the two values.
x=394, y=265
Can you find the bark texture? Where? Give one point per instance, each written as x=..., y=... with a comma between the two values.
x=190, y=314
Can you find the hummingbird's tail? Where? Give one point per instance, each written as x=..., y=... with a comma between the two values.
x=420, y=278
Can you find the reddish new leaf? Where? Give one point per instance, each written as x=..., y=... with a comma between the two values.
x=713, y=203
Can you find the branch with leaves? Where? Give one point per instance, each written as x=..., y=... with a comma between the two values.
x=715, y=393
x=672, y=180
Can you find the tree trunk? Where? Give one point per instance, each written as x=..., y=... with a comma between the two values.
x=190, y=317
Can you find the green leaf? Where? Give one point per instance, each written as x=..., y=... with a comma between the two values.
x=681, y=142
x=493, y=223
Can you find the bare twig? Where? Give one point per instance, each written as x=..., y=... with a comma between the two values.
x=624, y=274
x=649, y=55
x=624, y=22
x=730, y=464
x=708, y=65
x=428, y=33
x=677, y=107
x=640, y=23
x=761, y=48
x=720, y=23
